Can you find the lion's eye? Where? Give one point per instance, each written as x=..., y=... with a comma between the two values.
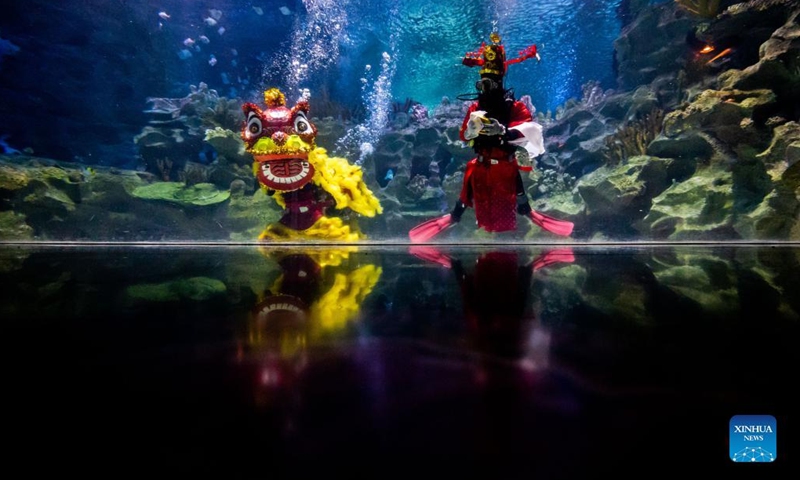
x=254, y=126
x=301, y=124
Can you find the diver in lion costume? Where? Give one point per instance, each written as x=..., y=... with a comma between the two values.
x=300, y=176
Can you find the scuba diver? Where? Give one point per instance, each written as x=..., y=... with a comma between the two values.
x=496, y=126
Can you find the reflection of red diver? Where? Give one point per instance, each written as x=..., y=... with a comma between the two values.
x=495, y=295
x=496, y=125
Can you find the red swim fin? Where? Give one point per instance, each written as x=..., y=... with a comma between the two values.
x=563, y=255
x=431, y=254
x=429, y=229
x=552, y=225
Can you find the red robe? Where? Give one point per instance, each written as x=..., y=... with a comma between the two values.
x=303, y=207
x=490, y=180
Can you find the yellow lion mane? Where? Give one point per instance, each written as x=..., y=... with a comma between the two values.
x=345, y=183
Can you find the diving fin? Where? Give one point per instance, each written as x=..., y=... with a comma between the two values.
x=430, y=228
x=562, y=255
x=431, y=254
x=552, y=225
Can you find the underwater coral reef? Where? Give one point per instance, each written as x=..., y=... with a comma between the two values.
x=700, y=140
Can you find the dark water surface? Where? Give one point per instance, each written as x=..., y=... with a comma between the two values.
x=279, y=362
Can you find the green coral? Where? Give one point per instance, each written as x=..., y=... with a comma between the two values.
x=247, y=215
x=199, y=195
x=194, y=289
x=14, y=227
x=12, y=178
x=701, y=8
x=698, y=208
x=758, y=6
x=228, y=144
x=633, y=138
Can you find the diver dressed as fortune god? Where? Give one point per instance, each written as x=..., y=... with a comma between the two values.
x=495, y=126
x=300, y=176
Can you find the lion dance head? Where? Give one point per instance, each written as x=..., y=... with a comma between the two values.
x=280, y=139
x=300, y=176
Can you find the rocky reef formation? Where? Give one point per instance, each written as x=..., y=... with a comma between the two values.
x=46, y=200
x=191, y=138
x=698, y=150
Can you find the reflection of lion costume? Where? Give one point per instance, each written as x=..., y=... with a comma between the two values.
x=314, y=300
x=328, y=285
x=301, y=177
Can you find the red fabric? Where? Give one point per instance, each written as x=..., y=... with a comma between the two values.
x=493, y=193
x=491, y=187
x=306, y=197
x=471, y=109
x=519, y=114
x=496, y=307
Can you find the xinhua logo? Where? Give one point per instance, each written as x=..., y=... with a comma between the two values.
x=753, y=438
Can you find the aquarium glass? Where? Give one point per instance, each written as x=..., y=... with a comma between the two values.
x=378, y=121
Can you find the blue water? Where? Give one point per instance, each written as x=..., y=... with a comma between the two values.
x=91, y=72
x=333, y=45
